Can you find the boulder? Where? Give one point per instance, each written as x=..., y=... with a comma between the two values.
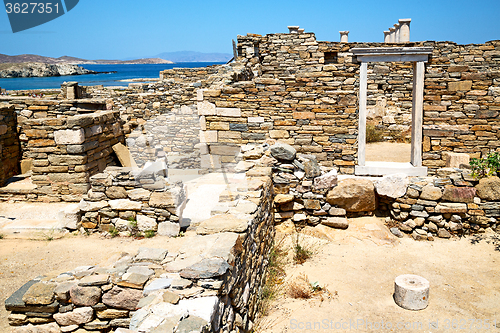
x=392, y=186
x=489, y=189
x=40, y=294
x=354, y=195
x=145, y=223
x=283, y=151
x=85, y=296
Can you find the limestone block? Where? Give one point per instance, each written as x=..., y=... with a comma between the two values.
x=229, y=112
x=392, y=186
x=454, y=160
x=169, y=229
x=208, y=136
x=411, y=292
x=69, y=137
x=336, y=222
x=125, y=204
x=145, y=223
x=460, y=86
x=255, y=119
x=69, y=217
x=430, y=192
x=122, y=298
x=206, y=109
x=279, y=134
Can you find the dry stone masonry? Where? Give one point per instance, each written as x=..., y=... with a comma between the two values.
x=9, y=143
x=210, y=283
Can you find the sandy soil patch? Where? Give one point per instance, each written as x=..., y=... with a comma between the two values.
x=360, y=264
x=388, y=152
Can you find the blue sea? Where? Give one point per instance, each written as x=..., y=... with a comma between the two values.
x=123, y=72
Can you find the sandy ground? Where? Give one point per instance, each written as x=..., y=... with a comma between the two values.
x=22, y=260
x=388, y=152
x=360, y=265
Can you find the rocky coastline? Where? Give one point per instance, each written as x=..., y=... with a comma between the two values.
x=41, y=70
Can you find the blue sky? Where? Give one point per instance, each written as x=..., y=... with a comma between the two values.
x=120, y=29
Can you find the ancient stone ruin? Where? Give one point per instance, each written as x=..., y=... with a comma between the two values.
x=280, y=132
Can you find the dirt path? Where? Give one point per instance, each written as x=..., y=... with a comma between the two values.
x=361, y=263
x=388, y=152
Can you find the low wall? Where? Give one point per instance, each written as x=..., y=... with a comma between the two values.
x=9, y=143
x=64, y=152
x=452, y=203
x=208, y=280
x=133, y=200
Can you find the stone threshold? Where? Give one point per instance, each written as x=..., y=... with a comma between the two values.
x=373, y=168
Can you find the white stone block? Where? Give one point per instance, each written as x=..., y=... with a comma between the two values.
x=145, y=223
x=169, y=229
x=388, y=120
x=203, y=123
x=454, y=160
x=206, y=109
x=392, y=186
x=125, y=204
x=69, y=137
x=229, y=112
x=156, y=105
x=203, y=307
x=255, y=119
x=199, y=95
x=208, y=136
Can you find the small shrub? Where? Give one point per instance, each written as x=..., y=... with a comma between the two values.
x=485, y=167
x=301, y=287
x=113, y=232
x=2, y=236
x=132, y=222
x=149, y=233
x=301, y=254
x=373, y=134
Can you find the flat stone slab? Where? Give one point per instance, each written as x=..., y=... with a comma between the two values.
x=144, y=270
x=133, y=280
x=222, y=223
x=157, y=284
x=40, y=294
x=150, y=254
x=205, y=269
x=94, y=280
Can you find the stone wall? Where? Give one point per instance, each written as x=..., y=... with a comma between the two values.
x=133, y=200
x=189, y=74
x=35, y=108
x=9, y=143
x=210, y=281
x=305, y=94
x=66, y=151
x=453, y=203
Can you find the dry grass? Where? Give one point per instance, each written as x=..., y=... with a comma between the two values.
x=302, y=288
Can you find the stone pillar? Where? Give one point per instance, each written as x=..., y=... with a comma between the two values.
x=387, y=36
x=393, y=35
x=404, y=30
x=344, y=36
x=301, y=31
x=363, y=83
x=417, y=113
x=396, y=34
x=293, y=29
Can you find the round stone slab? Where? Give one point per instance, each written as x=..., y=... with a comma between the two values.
x=411, y=292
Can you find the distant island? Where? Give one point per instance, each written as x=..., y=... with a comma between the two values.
x=32, y=58
x=31, y=65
